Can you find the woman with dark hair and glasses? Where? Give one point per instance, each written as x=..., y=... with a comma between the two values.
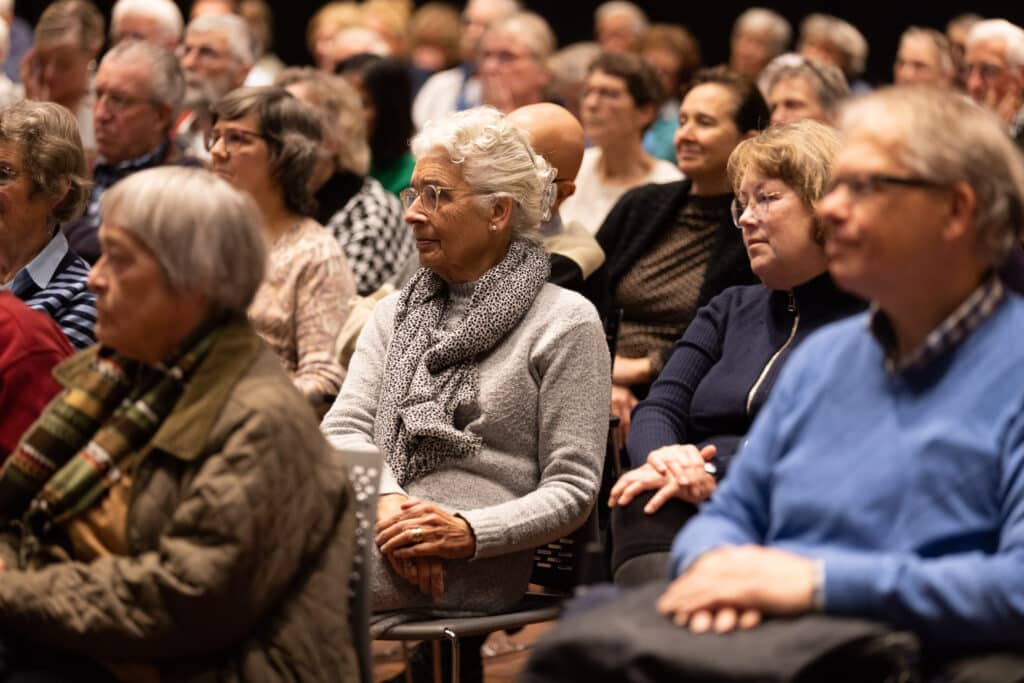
x=386, y=88
x=720, y=373
x=265, y=142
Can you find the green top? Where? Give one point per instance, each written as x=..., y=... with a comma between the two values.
x=395, y=177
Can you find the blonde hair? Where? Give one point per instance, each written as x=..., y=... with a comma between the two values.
x=334, y=16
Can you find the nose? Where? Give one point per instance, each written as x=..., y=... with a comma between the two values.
x=833, y=207
x=188, y=59
x=97, y=281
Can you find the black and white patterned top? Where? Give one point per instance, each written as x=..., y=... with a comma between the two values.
x=372, y=233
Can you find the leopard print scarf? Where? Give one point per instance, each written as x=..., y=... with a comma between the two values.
x=429, y=374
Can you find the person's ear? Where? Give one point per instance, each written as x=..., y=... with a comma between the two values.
x=501, y=214
x=962, y=204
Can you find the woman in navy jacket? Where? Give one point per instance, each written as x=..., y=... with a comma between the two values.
x=720, y=373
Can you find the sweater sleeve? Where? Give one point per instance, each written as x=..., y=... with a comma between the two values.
x=572, y=422
x=739, y=510
x=661, y=418
x=966, y=598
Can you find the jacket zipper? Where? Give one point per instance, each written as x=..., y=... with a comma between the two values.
x=791, y=307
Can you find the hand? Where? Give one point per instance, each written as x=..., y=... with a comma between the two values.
x=733, y=587
x=442, y=535
x=389, y=505
x=623, y=402
x=32, y=77
x=629, y=371
x=426, y=574
x=633, y=483
x=683, y=467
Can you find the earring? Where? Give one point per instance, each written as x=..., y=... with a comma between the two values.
x=494, y=228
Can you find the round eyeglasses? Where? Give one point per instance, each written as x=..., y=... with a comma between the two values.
x=759, y=207
x=429, y=196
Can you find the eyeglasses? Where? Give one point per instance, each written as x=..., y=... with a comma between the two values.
x=203, y=53
x=233, y=138
x=759, y=208
x=988, y=72
x=869, y=183
x=7, y=174
x=117, y=101
x=429, y=196
x=503, y=56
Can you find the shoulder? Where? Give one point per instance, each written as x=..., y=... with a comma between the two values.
x=28, y=330
x=664, y=172
x=740, y=297
x=654, y=195
x=557, y=312
x=314, y=243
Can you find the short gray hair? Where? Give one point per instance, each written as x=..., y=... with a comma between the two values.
x=938, y=41
x=206, y=235
x=827, y=81
x=946, y=137
x=166, y=81
x=164, y=12
x=235, y=29
x=1000, y=29
x=844, y=36
x=532, y=29
x=635, y=14
x=763, y=19
x=497, y=161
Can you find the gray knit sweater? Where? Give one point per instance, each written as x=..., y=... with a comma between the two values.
x=543, y=417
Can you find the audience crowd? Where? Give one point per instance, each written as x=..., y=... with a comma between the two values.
x=781, y=302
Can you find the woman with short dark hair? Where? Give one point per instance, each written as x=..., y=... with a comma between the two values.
x=265, y=142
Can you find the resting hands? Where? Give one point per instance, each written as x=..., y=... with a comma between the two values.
x=675, y=471
x=734, y=586
x=416, y=536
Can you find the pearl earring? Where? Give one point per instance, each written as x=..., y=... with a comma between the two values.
x=494, y=228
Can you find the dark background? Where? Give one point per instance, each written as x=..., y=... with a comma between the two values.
x=709, y=20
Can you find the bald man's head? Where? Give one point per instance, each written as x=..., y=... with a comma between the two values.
x=558, y=137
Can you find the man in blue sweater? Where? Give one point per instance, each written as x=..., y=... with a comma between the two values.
x=884, y=478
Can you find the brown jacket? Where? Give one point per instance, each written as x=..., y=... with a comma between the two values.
x=240, y=527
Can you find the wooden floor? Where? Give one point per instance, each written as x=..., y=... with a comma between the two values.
x=504, y=655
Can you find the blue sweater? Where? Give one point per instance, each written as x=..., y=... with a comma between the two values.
x=909, y=488
x=720, y=373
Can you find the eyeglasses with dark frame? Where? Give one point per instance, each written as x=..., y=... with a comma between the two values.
x=869, y=183
x=429, y=196
x=233, y=138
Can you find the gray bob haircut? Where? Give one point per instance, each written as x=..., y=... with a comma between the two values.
x=497, y=161
x=944, y=136
x=206, y=235
x=762, y=19
x=827, y=81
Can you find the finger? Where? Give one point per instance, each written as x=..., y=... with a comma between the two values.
x=404, y=539
x=664, y=494
x=632, y=491
x=425, y=576
x=437, y=580
x=725, y=620
x=709, y=452
x=701, y=621
x=750, y=618
x=619, y=487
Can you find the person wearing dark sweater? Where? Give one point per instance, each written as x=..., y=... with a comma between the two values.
x=672, y=247
x=721, y=371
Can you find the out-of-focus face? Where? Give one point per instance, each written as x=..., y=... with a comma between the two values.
x=877, y=234
x=241, y=156
x=202, y=8
x=778, y=230
x=478, y=15
x=707, y=133
x=617, y=33
x=135, y=26
x=23, y=212
x=127, y=120
x=793, y=99
x=137, y=312
x=510, y=74
x=988, y=77
x=666, y=64
x=609, y=111
x=62, y=70
x=211, y=71
x=453, y=240
x=750, y=51
x=917, y=63
x=957, y=35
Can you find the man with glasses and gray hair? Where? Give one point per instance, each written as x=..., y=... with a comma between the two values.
x=216, y=56
x=137, y=95
x=884, y=478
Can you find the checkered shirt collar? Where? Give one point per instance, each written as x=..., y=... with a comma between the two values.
x=966, y=318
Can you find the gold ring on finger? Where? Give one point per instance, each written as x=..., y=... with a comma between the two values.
x=416, y=534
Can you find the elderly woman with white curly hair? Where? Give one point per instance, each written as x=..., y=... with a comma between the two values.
x=485, y=387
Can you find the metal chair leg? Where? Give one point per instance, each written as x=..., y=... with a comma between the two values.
x=435, y=651
x=405, y=662
x=454, y=640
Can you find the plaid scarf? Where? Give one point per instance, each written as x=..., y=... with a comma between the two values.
x=83, y=441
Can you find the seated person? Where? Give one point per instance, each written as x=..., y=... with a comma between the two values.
x=264, y=141
x=43, y=164
x=30, y=345
x=882, y=479
x=721, y=372
x=797, y=87
x=194, y=522
x=484, y=386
